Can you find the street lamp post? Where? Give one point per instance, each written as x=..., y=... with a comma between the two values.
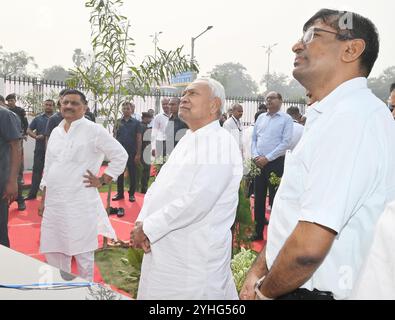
x=193, y=43
x=269, y=50
x=155, y=40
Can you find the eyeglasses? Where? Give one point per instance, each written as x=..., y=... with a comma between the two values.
x=308, y=35
x=270, y=98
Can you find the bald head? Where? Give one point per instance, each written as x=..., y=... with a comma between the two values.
x=237, y=110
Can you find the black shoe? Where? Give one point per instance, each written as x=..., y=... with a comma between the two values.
x=21, y=206
x=121, y=212
x=113, y=210
x=117, y=197
x=132, y=199
x=29, y=197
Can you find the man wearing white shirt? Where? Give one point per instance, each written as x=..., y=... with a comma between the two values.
x=185, y=223
x=73, y=212
x=158, y=143
x=233, y=125
x=339, y=178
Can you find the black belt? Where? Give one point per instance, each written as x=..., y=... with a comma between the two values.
x=304, y=294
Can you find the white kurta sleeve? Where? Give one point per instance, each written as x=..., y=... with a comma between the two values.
x=208, y=184
x=113, y=151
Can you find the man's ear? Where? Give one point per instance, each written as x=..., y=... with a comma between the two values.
x=216, y=106
x=353, y=50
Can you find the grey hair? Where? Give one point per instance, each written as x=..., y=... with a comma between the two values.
x=217, y=89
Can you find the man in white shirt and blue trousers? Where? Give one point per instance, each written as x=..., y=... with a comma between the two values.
x=271, y=138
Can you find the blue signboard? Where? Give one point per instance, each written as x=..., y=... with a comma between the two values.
x=184, y=77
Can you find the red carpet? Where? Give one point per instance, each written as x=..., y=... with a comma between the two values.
x=24, y=227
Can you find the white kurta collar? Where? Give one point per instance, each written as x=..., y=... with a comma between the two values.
x=211, y=126
x=73, y=125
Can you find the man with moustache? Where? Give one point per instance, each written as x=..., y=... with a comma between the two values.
x=74, y=214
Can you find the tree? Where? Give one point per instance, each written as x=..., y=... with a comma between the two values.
x=15, y=63
x=57, y=73
x=112, y=77
x=235, y=79
x=289, y=89
x=78, y=57
x=381, y=85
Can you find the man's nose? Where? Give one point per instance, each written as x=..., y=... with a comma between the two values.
x=298, y=46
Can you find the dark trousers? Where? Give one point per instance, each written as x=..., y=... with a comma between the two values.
x=304, y=294
x=262, y=185
x=38, y=167
x=4, y=222
x=131, y=166
x=20, y=181
x=145, y=177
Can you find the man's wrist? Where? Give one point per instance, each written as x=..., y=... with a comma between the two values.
x=257, y=287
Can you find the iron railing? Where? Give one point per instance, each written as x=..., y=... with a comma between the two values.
x=32, y=91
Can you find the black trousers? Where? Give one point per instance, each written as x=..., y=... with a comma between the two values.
x=38, y=168
x=304, y=294
x=145, y=177
x=20, y=178
x=4, y=222
x=262, y=185
x=131, y=166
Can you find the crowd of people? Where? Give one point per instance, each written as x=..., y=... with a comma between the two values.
x=328, y=237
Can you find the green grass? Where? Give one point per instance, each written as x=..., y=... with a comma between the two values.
x=114, y=269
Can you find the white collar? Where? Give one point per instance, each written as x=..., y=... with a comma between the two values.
x=208, y=127
x=336, y=95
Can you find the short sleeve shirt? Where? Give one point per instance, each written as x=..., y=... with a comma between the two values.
x=39, y=124
x=53, y=122
x=127, y=134
x=10, y=130
x=340, y=176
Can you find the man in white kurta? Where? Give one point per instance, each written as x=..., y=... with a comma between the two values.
x=74, y=214
x=234, y=126
x=190, y=208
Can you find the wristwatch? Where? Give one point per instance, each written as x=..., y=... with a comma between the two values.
x=257, y=286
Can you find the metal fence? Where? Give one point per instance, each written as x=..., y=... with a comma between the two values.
x=29, y=90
